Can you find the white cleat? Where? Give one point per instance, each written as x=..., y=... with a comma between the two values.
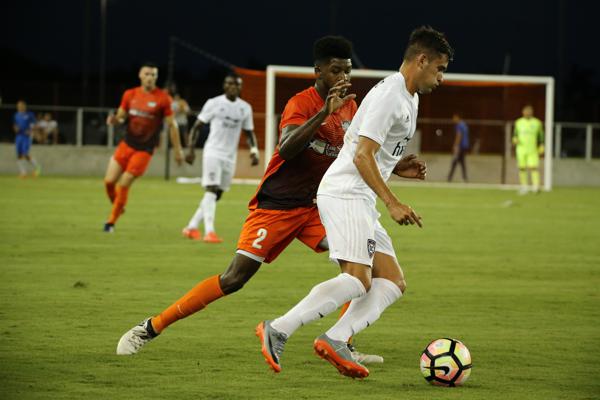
x=363, y=358
x=133, y=340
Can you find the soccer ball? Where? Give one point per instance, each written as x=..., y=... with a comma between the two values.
x=446, y=362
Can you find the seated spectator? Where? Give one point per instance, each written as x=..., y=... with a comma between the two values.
x=48, y=129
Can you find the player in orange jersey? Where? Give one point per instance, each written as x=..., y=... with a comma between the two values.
x=144, y=108
x=283, y=209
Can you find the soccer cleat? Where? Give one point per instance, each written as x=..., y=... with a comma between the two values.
x=133, y=340
x=191, y=233
x=109, y=228
x=364, y=358
x=212, y=237
x=336, y=352
x=37, y=171
x=272, y=343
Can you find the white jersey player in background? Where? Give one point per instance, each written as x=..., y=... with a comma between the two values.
x=227, y=115
x=373, y=147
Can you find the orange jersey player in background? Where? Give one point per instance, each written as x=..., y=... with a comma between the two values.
x=312, y=132
x=144, y=108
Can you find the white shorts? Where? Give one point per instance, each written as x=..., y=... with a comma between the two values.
x=217, y=172
x=354, y=232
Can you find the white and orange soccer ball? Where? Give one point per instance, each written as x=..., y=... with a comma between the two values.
x=446, y=362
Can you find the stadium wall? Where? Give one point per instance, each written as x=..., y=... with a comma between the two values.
x=68, y=160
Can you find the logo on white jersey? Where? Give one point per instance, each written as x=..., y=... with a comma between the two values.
x=371, y=244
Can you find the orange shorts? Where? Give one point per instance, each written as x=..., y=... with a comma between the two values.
x=266, y=233
x=131, y=160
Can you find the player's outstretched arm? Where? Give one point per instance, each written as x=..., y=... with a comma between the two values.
x=175, y=140
x=192, y=139
x=365, y=162
x=118, y=118
x=411, y=167
x=294, y=138
x=252, y=144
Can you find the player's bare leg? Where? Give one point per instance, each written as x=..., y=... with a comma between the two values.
x=112, y=175
x=121, y=194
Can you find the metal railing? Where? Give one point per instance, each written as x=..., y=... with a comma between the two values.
x=82, y=126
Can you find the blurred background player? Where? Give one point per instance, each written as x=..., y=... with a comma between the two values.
x=528, y=137
x=312, y=130
x=227, y=115
x=460, y=146
x=23, y=123
x=373, y=148
x=144, y=108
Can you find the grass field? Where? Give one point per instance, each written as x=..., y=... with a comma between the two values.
x=517, y=279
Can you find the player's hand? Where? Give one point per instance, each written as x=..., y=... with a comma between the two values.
x=179, y=156
x=404, y=214
x=411, y=167
x=541, y=150
x=190, y=157
x=337, y=97
x=111, y=119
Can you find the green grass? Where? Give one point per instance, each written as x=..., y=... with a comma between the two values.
x=516, y=278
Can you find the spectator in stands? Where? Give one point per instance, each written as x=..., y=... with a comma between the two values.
x=460, y=146
x=47, y=129
x=36, y=129
x=23, y=122
x=181, y=109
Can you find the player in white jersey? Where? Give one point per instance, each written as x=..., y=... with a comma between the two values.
x=228, y=115
x=373, y=147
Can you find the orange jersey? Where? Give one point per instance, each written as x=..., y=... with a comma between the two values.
x=145, y=114
x=293, y=183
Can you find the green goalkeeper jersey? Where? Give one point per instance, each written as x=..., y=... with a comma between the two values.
x=529, y=133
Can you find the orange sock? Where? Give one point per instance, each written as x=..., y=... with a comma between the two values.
x=118, y=204
x=193, y=301
x=110, y=190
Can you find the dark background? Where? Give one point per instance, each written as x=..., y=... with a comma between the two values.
x=52, y=51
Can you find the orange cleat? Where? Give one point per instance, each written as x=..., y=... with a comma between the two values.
x=212, y=237
x=190, y=233
x=272, y=343
x=336, y=352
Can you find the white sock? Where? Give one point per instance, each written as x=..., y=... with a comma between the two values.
x=209, y=206
x=22, y=165
x=198, y=216
x=364, y=311
x=33, y=163
x=323, y=299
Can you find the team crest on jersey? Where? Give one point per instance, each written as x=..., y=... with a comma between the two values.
x=345, y=125
x=371, y=247
x=151, y=104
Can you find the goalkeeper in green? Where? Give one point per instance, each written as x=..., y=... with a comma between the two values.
x=528, y=137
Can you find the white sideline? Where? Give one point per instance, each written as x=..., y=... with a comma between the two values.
x=445, y=185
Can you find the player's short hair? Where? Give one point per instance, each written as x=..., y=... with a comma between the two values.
x=149, y=64
x=232, y=74
x=329, y=47
x=427, y=40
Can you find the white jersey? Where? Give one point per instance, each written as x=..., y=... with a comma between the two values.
x=227, y=119
x=387, y=115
